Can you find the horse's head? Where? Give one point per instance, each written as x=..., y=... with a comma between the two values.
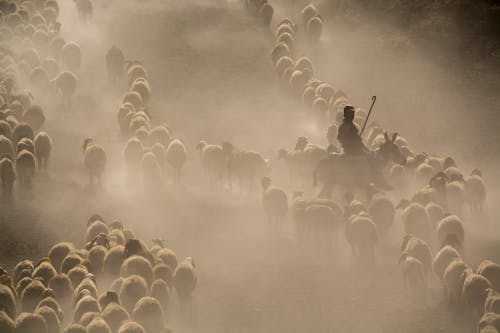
x=389, y=151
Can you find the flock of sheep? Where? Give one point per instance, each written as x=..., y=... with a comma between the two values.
x=117, y=283
x=432, y=219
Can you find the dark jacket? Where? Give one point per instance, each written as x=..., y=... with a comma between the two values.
x=349, y=137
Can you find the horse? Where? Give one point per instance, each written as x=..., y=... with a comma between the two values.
x=356, y=171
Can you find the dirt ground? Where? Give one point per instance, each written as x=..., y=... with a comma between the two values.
x=212, y=79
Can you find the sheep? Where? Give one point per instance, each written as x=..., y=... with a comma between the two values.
x=133, y=288
x=442, y=259
x=489, y=323
x=382, y=211
x=151, y=170
x=451, y=225
x=245, y=165
x=94, y=159
x=213, y=162
x=22, y=130
x=160, y=134
x=176, y=156
x=86, y=288
x=8, y=302
x=137, y=265
x=7, y=175
x=75, y=328
x=282, y=64
x=419, y=249
x=298, y=81
x=415, y=220
x=275, y=203
x=58, y=252
x=321, y=222
x=30, y=323
x=314, y=29
x=25, y=166
x=98, y=325
x=452, y=282
x=413, y=273
x=435, y=213
x=71, y=56
x=142, y=87
x=51, y=66
x=43, y=147
x=88, y=317
x=45, y=271
x=185, y=280
x=492, y=302
x=113, y=261
x=163, y=272
x=115, y=64
x=135, y=71
x=266, y=12
x=308, y=12
x=22, y=284
x=84, y=305
x=133, y=153
x=7, y=325
x=34, y=116
x=280, y=50
x=31, y=295
x=69, y=262
x=491, y=271
x=25, y=264
x=96, y=257
x=107, y=298
x=52, y=303
x=455, y=197
x=131, y=327
x=50, y=317
x=149, y=314
x=65, y=84
x=26, y=144
x=474, y=291
x=423, y=174
x=160, y=290
x=62, y=287
x=361, y=234
x=134, y=98
x=475, y=192
x=85, y=10
x=115, y=315
x=288, y=39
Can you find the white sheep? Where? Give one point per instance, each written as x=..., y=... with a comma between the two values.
x=115, y=315
x=415, y=220
x=115, y=64
x=25, y=166
x=419, y=249
x=7, y=175
x=361, y=234
x=382, y=211
x=176, y=156
x=452, y=281
x=451, y=226
x=65, y=84
x=94, y=159
x=413, y=273
x=131, y=327
x=491, y=271
x=132, y=289
x=474, y=291
x=275, y=203
x=7, y=325
x=43, y=147
x=443, y=258
x=185, y=281
x=213, y=162
x=489, y=323
x=71, y=56
x=475, y=192
x=133, y=153
x=30, y=323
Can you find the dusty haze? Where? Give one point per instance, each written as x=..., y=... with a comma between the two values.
x=212, y=79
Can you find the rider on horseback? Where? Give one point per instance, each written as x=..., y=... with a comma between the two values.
x=348, y=134
x=352, y=144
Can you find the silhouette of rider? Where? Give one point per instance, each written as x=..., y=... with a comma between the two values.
x=348, y=134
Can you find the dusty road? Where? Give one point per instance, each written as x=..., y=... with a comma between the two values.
x=212, y=80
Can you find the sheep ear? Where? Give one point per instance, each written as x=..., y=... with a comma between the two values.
x=386, y=137
x=394, y=136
